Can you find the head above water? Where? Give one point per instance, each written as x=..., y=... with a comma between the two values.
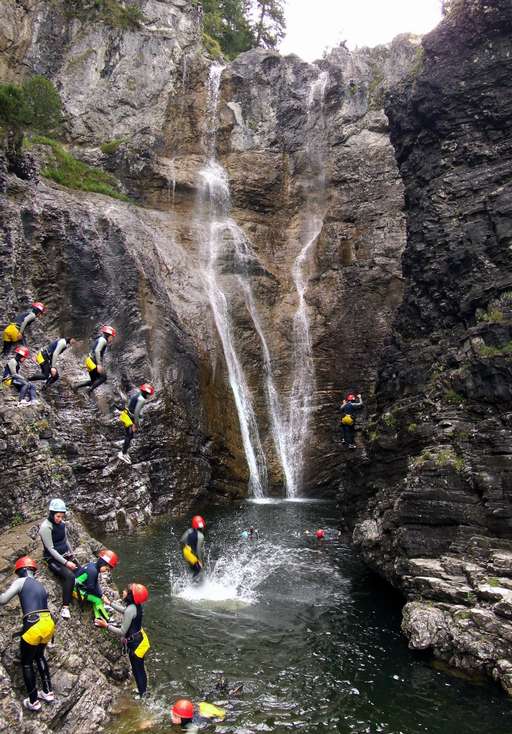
x=320, y=534
x=182, y=711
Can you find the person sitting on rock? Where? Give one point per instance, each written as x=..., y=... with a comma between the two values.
x=37, y=631
x=131, y=415
x=87, y=586
x=94, y=360
x=192, y=718
x=132, y=635
x=57, y=551
x=11, y=376
x=47, y=360
x=192, y=545
x=349, y=407
x=15, y=331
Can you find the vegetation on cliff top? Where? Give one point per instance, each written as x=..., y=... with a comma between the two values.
x=34, y=105
x=111, y=12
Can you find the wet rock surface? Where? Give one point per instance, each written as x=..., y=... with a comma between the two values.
x=87, y=667
x=432, y=504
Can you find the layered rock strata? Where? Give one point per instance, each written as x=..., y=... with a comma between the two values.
x=438, y=515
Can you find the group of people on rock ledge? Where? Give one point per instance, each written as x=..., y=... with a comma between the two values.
x=14, y=335
x=82, y=583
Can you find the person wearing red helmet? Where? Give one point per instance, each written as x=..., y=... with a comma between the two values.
x=11, y=376
x=37, y=631
x=95, y=360
x=192, y=546
x=131, y=416
x=15, y=331
x=192, y=718
x=349, y=407
x=131, y=632
x=87, y=587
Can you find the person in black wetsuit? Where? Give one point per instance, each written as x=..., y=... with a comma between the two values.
x=131, y=632
x=192, y=545
x=87, y=587
x=131, y=416
x=349, y=407
x=37, y=631
x=57, y=551
x=193, y=718
x=47, y=360
x=15, y=331
x=95, y=360
x=11, y=376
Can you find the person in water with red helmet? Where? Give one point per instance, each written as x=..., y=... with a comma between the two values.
x=131, y=416
x=15, y=331
x=131, y=632
x=37, y=631
x=349, y=407
x=95, y=360
x=87, y=587
x=11, y=376
x=193, y=718
x=192, y=545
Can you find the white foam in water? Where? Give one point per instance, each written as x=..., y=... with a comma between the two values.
x=233, y=579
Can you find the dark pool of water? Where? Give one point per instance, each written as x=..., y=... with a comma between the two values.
x=312, y=635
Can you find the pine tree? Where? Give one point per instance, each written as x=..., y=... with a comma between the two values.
x=271, y=25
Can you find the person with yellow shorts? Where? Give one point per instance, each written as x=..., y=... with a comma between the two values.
x=14, y=333
x=38, y=629
x=133, y=637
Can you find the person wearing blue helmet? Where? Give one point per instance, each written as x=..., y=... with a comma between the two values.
x=57, y=551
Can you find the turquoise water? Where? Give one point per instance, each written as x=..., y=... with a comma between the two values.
x=312, y=635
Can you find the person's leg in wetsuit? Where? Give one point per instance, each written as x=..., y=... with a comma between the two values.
x=68, y=580
x=139, y=672
x=128, y=437
x=95, y=380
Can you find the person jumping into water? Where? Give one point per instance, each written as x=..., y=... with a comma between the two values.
x=192, y=545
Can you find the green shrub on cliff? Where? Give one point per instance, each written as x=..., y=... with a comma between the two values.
x=65, y=169
x=34, y=105
x=110, y=12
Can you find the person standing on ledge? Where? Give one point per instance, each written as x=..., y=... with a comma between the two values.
x=47, y=360
x=95, y=360
x=37, y=631
x=132, y=635
x=15, y=331
x=349, y=407
x=57, y=551
x=192, y=545
x=131, y=415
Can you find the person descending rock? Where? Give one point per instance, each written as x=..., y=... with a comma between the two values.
x=47, y=360
x=192, y=544
x=349, y=407
x=87, y=586
x=131, y=415
x=131, y=632
x=193, y=718
x=94, y=360
x=37, y=631
x=57, y=551
x=15, y=331
x=11, y=376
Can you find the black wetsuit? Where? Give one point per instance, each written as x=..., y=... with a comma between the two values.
x=56, y=552
x=349, y=431
x=50, y=355
x=21, y=322
x=136, y=402
x=23, y=386
x=130, y=632
x=96, y=354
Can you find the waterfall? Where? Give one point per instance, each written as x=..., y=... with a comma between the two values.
x=303, y=386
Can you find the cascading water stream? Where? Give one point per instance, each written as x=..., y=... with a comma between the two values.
x=303, y=386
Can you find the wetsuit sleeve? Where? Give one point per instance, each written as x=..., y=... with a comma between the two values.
x=118, y=606
x=184, y=538
x=61, y=346
x=101, y=343
x=139, y=407
x=358, y=403
x=13, y=366
x=11, y=592
x=45, y=533
x=30, y=316
x=129, y=615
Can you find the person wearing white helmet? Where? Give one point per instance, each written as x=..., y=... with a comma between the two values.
x=95, y=360
x=57, y=551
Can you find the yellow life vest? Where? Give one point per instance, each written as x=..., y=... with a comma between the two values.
x=209, y=711
x=41, y=632
x=12, y=333
x=90, y=363
x=347, y=420
x=189, y=555
x=125, y=419
x=39, y=358
x=143, y=645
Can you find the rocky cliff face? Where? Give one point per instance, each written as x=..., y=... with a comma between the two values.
x=303, y=146
x=438, y=515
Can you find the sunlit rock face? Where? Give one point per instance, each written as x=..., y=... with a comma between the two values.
x=437, y=507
